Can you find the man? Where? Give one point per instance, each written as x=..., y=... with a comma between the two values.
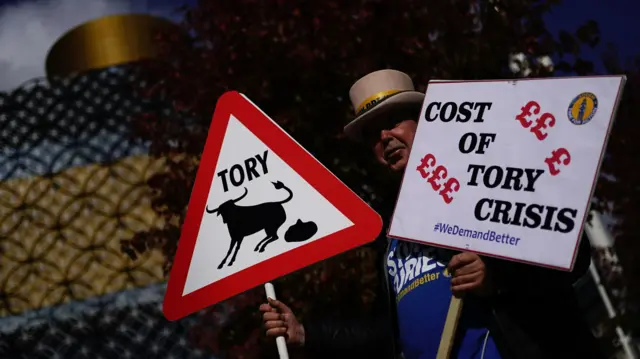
x=511, y=310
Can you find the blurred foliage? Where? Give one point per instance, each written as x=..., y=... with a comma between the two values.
x=618, y=192
x=296, y=60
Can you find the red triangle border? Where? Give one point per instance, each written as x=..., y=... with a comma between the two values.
x=367, y=223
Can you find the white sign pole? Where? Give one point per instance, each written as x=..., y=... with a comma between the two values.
x=280, y=341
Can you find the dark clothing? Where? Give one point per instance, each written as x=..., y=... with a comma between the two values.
x=535, y=316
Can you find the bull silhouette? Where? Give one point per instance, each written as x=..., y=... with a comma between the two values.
x=243, y=221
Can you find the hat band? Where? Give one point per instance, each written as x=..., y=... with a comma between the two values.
x=373, y=100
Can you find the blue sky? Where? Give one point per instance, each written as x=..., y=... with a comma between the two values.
x=616, y=20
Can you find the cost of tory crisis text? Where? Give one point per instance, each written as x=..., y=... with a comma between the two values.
x=530, y=117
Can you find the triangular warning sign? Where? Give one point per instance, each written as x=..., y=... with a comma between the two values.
x=261, y=207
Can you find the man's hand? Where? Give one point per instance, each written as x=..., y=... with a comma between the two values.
x=469, y=274
x=279, y=320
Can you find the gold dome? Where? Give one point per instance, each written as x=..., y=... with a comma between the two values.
x=106, y=41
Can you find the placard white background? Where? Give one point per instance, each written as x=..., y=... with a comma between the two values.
x=213, y=237
x=419, y=208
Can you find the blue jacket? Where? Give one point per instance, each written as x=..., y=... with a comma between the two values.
x=535, y=316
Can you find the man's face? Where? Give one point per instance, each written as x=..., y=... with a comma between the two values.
x=391, y=137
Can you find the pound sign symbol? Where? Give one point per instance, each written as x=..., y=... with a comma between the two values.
x=451, y=186
x=561, y=154
x=427, y=161
x=541, y=123
x=531, y=108
x=439, y=173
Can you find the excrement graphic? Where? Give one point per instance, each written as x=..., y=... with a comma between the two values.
x=300, y=231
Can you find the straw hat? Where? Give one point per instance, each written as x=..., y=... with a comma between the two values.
x=377, y=93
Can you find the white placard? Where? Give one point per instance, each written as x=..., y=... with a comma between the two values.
x=482, y=177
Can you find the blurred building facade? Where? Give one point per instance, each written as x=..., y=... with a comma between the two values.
x=72, y=186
